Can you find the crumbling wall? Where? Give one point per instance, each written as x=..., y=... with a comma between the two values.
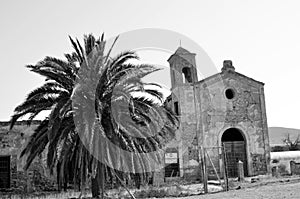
x=12, y=142
x=285, y=162
x=186, y=140
x=188, y=132
x=245, y=112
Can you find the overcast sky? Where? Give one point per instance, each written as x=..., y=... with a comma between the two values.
x=262, y=38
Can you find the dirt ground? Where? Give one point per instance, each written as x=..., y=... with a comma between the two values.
x=280, y=190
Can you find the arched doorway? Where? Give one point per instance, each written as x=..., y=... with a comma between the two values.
x=234, y=144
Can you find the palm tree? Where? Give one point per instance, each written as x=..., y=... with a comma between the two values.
x=88, y=87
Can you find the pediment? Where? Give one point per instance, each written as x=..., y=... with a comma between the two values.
x=227, y=76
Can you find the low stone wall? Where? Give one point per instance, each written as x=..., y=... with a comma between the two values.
x=295, y=168
x=12, y=142
x=62, y=195
x=281, y=162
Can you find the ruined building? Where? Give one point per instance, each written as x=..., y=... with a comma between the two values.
x=226, y=109
x=12, y=175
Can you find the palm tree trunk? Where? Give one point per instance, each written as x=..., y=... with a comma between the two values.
x=102, y=180
x=98, y=182
x=95, y=187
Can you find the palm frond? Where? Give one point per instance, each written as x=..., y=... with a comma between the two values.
x=76, y=48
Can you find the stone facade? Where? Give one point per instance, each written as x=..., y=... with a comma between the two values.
x=12, y=142
x=224, y=110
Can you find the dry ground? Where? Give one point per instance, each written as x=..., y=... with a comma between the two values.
x=280, y=190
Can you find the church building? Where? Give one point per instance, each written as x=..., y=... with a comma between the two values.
x=226, y=110
x=222, y=117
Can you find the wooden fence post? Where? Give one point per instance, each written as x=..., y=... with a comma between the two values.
x=205, y=176
x=225, y=168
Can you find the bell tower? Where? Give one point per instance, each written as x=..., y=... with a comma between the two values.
x=182, y=68
x=183, y=74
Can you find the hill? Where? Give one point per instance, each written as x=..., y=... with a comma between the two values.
x=277, y=134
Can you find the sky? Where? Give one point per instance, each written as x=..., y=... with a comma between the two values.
x=261, y=37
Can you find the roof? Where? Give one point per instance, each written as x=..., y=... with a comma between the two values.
x=239, y=74
x=183, y=53
x=227, y=66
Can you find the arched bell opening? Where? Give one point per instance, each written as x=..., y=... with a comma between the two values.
x=186, y=75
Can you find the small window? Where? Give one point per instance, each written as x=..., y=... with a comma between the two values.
x=229, y=93
x=176, y=108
